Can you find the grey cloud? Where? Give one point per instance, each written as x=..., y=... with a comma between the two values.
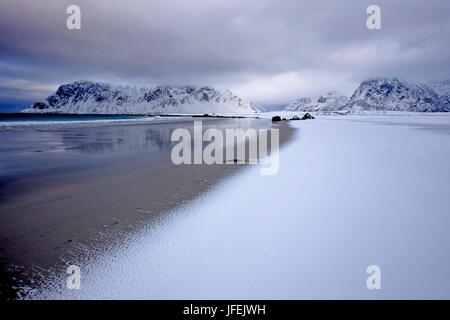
x=267, y=51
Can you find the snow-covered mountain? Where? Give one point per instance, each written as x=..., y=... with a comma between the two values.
x=83, y=97
x=328, y=102
x=400, y=95
x=383, y=95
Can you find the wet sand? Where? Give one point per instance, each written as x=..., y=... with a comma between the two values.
x=59, y=220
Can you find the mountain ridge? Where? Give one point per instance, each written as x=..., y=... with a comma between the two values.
x=383, y=94
x=400, y=95
x=329, y=101
x=89, y=97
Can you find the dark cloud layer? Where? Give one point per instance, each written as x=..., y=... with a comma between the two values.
x=266, y=51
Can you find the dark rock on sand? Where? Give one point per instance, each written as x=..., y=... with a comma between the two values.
x=276, y=118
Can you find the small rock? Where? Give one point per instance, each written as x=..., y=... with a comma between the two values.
x=276, y=118
x=307, y=116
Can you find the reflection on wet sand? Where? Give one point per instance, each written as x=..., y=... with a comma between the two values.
x=24, y=153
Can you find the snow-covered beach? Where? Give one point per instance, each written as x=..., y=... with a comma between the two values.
x=351, y=192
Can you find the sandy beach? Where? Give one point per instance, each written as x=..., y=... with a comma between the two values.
x=50, y=220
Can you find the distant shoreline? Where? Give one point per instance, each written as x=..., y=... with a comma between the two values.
x=53, y=114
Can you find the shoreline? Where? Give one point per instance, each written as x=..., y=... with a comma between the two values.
x=49, y=229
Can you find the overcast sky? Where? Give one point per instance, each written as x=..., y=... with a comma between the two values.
x=268, y=52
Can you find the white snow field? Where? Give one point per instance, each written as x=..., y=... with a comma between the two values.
x=351, y=192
